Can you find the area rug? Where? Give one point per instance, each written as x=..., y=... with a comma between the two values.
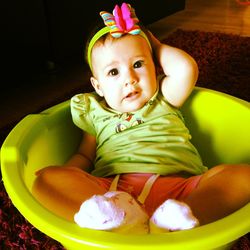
x=223, y=59
x=224, y=65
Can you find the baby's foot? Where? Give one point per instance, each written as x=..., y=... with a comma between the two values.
x=99, y=212
x=172, y=215
x=113, y=211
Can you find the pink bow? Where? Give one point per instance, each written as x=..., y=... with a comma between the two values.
x=122, y=21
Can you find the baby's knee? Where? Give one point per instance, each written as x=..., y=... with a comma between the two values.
x=48, y=173
x=228, y=176
x=49, y=177
x=44, y=178
x=56, y=172
x=241, y=174
x=236, y=171
x=213, y=172
x=240, y=170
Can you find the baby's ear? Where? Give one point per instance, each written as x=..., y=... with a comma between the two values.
x=96, y=86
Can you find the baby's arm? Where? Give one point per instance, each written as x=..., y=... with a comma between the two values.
x=180, y=69
x=85, y=155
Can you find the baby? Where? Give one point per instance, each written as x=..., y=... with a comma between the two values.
x=135, y=169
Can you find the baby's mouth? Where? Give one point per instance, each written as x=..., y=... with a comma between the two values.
x=132, y=95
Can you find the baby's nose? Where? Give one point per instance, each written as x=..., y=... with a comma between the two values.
x=131, y=78
x=130, y=83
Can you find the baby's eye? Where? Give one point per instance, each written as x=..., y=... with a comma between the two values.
x=113, y=72
x=138, y=64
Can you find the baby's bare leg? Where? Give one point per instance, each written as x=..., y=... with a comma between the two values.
x=221, y=191
x=63, y=189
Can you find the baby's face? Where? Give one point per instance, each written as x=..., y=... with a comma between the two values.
x=124, y=72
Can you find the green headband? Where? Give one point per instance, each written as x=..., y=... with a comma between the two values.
x=101, y=33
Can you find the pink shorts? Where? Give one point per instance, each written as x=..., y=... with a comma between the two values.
x=164, y=187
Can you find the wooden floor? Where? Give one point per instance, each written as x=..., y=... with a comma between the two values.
x=212, y=15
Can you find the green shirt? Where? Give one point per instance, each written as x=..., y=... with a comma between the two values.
x=153, y=139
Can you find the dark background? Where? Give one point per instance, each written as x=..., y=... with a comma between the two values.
x=41, y=31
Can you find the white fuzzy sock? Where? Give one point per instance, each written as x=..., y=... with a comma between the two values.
x=172, y=215
x=114, y=211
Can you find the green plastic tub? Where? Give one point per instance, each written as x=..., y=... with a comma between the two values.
x=219, y=124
